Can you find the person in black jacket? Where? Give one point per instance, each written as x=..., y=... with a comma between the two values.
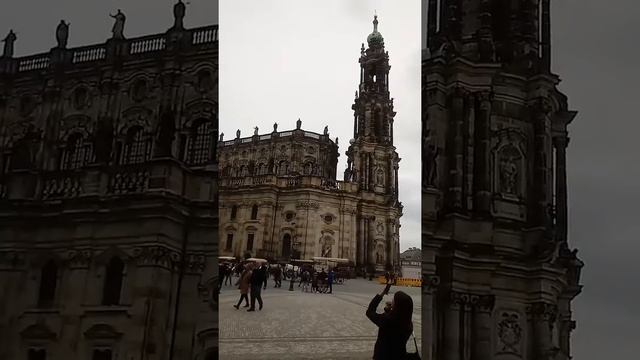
x=258, y=279
x=394, y=326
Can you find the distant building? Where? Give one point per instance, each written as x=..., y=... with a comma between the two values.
x=411, y=263
x=108, y=211
x=279, y=197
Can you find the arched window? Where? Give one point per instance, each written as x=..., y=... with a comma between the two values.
x=76, y=153
x=113, y=282
x=48, y=282
x=136, y=146
x=201, y=143
x=254, y=212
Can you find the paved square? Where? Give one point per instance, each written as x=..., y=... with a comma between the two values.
x=297, y=325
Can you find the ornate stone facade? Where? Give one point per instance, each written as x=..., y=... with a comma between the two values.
x=279, y=197
x=494, y=192
x=108, y=197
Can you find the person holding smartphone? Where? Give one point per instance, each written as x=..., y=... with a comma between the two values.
x=394, y=325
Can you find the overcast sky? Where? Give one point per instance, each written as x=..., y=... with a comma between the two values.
x=281, y=60
x=596, y=55
x=35, y=21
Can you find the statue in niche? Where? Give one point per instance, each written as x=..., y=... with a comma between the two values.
x=205, y=83
x=118, y=26
x=509, y=171
x=429, y=155
x=380, y=177
x=9, y=42
x=62, y=34
x=271, y=166
x=326, y=250
x=103, y=141
x=347, y=175
x=165, y=134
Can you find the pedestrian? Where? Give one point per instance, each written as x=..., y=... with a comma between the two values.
x=243, y=284
x=330, y=277
x=258, y=280
x=227, y=275
x=221, y=273
x=394, y=326
x=314, y=282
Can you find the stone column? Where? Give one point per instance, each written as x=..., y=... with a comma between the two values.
x=451, y=349
x=543, y=316
x=456, y=147
x=482, y=328
x=482, y=161
x=540, y=183
x=560, y=143
x=430, y=284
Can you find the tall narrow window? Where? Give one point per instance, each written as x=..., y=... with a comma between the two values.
x=37, y=354
x=254, y=212
x=75, y=154
x=250, y=242
x=136, y=149
x=113, y=282
x=229, y=242
x=101, y=354
x=48, y=282
x=200, y=143
x=234, y=212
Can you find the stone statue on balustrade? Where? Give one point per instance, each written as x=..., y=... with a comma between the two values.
x=238, y=134
x=298, y=124
x=62, y=34
x=275, y=127
x=179, y=11
x=221, y=137
x=326, y=130
x=118, y=26
x=255, y=130
x=8, y=44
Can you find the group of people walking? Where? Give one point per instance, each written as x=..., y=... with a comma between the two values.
x=252, y=280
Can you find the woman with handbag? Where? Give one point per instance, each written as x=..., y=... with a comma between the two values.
x=394, y=326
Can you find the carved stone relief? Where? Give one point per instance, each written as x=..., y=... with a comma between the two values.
x=510, y=333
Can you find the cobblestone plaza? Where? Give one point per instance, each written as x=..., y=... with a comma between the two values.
x=299, y=325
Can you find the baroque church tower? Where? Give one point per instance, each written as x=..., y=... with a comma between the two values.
x=499, y=275
x=372, y=160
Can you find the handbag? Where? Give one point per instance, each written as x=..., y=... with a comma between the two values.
x=415, y=355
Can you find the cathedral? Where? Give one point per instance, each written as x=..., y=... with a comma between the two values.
x=279, y=194
x=499, y=275
x=108, y=197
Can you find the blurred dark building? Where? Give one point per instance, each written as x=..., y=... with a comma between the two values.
x=499, y=274
x=108, y=197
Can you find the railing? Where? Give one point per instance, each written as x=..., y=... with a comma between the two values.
x=148, y=44
x=35, y=62
x=61, y=185
x=92, y=53
x=245, y=140
x=129, y=181
x=205, y=35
